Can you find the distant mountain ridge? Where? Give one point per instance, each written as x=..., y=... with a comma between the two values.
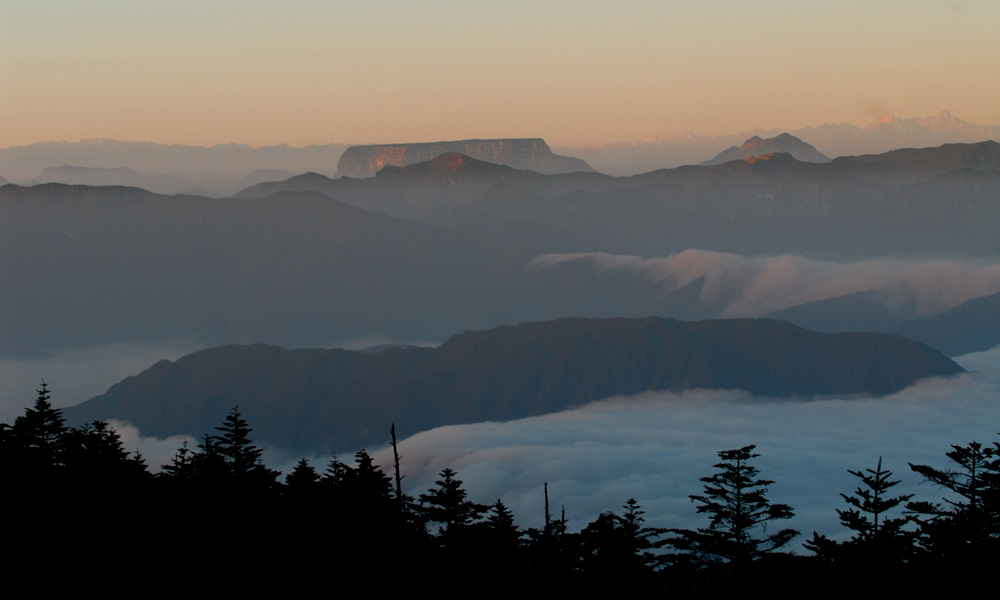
x=529, y=153
x=160, y=184
x=218, y=168
x=335, y=400
x=886, y=133
x=757, y=146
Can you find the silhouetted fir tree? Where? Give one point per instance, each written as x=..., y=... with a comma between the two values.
x=737, y=504
x=878, y=540
x=369, y=484
x=37, y=438
x=501, y=519
x=240, y=455
x=335, y=474
x=447, y=505
x=360, y=499
x=180, y=465
x=643, y=539
x=208, y=464
x=965, y=530
x=303, y=478
x=620, y=545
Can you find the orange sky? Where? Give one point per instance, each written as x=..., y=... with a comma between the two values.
x=576, y=73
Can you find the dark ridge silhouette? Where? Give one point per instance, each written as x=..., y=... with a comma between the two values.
x=333, y=400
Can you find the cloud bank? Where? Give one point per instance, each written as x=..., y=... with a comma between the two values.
x=754, y=286
x=656, y=446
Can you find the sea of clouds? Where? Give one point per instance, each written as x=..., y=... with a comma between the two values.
x=656, y=446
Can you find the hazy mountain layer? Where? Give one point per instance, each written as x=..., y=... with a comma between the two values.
x=218, y=169
x=160, y=184
x=886, y=133
x=935, y=201
x=95, y=265
x=335, y=400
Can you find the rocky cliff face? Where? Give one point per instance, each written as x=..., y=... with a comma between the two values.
x=533, y=154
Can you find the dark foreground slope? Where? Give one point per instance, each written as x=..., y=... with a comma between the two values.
x=336, y=400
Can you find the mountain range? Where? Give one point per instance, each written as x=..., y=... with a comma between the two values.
x=888, y=132
x=918, y=202
x=219, y=169
x=451, y=244
x=323, y=401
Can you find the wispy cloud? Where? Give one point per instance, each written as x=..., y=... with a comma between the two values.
x=754, y=286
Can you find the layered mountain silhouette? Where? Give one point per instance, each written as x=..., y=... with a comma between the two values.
x=757, y=146
x=335, y=400
x=906, y=202
x=447, y=245
x=218, y=168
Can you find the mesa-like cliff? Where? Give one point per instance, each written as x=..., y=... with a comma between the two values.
x=530, y=153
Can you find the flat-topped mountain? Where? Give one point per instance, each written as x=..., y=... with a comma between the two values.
x=757, y=146
x=528, y=153
x=336, y=400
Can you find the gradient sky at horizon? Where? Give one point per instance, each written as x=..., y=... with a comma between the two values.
x=576, y=73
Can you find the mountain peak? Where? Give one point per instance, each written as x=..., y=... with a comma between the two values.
x=757, y=147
